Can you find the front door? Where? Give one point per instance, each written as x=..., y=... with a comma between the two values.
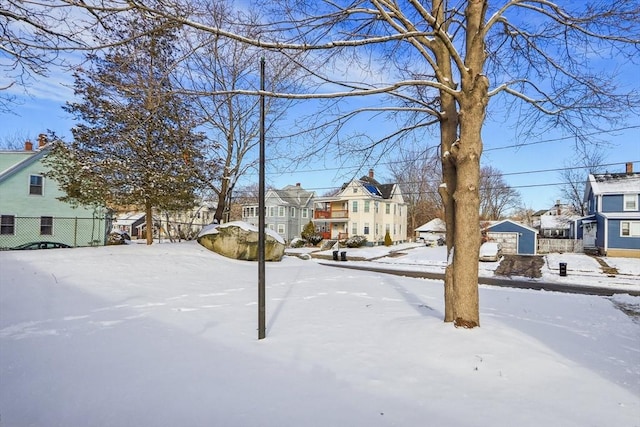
x=589, y=235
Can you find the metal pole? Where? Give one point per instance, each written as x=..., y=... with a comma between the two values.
x=261, y=218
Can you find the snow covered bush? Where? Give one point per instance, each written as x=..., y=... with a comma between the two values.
x=355, y=241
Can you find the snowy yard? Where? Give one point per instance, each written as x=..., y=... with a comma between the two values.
x=166, y=335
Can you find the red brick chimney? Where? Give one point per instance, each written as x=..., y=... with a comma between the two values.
x=28, y=145
x=629, y=168
x=371, y=173
x=42, y=140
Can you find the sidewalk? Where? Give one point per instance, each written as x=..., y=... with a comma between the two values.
x=617, y=274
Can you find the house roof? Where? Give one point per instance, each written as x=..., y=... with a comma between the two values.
x=435, y=225
x=294, y=195
x=613, y=183
x=23, y=159
x=493, y=224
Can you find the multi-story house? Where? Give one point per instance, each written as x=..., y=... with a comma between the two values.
x=363, y=207
x=287, y=211
x=30, y=209
x=612, y=226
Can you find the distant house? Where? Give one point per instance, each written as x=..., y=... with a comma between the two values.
x=432, y=230
x=612, y=226
x=287, y=211
x=515, y=238
x=555, y=222
x=363, y=207
x=132, y=223
x=30, y=210
x=187, y=223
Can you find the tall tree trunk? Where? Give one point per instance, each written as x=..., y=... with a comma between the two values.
x=148, y=212
x=473, y=101
x=448, y=136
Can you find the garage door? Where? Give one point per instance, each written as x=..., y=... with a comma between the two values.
x=509, y=241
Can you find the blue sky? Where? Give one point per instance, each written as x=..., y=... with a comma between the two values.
x=532, y=168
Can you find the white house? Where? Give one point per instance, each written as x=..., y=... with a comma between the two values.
x=363, y=207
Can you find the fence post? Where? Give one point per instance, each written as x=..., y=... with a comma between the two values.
x=75, y=232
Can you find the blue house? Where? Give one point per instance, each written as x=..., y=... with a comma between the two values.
x=30, y=209
x=612, y=226
x=515, y=238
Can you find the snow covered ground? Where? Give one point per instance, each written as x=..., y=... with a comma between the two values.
x=581, y=269
x=165, y=335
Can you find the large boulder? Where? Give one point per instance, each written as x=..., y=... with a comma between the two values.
x=239, y=240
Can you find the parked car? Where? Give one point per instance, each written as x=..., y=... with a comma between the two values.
x=40, y=245
x=490, y=251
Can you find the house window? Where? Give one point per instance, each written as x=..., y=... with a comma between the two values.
x=354, y=228
x=305, y=213
x=35, y=185
x=630, y=228
x=7, y=224
x=355, y=190
x=280, y=211
x=366, y=228
x=46, y=226
x=281, y=229
x=630, y=202
x=377, y=207
x=355, y=206
x=394, y=209
x=293, y=212
x=377, y=228
x=272, y=211
x=271, y=227
x=387, y=208
x=366, y=205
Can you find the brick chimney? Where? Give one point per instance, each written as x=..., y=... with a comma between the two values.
x=629, y=166
x=371, y=173
x=42, y=140
x=297, y=184
x=28, y=145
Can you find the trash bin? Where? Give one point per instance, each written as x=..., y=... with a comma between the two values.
x=563, y=269
x=343, y=256
x=335, y=255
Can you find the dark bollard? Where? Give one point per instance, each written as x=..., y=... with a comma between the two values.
x=343, y=256
x=335, y=255
x=563, y=269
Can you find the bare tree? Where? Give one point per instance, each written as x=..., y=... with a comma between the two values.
x=496, y=197
x=574, y=176
x=441, y=63
x=418, y=173
x=216, y=67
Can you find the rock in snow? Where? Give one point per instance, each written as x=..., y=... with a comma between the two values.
x=239, y=240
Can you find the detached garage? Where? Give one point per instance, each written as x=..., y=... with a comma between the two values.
x=516, y=239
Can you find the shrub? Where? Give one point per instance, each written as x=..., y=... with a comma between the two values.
x=310, y=235
x=297, y=243
x=355, y=241
x=308, y=231
x=387, y=239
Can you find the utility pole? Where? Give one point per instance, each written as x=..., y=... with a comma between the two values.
x=261, y=217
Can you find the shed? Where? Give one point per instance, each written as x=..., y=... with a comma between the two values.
x=515, y=238
x=431, y=230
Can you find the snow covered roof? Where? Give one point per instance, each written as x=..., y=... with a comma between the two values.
x=613, y=183
x=435, y=225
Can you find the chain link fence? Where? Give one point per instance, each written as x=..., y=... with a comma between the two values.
x=70, y=231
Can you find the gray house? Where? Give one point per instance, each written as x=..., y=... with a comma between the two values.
x=287, y=211
x=514, y=237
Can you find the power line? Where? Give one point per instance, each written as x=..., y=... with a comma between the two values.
x=524, y=144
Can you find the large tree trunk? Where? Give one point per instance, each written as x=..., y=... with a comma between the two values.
x=148, y=212
x=473, y=101
x=448, y=135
